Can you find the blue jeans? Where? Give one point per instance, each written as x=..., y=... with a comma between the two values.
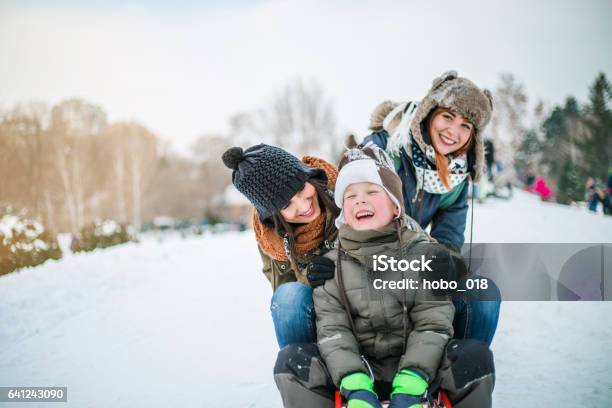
x=294, y=318
x=477, y=319
x=293, y=314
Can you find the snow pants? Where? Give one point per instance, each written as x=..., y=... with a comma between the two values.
x=466, y=373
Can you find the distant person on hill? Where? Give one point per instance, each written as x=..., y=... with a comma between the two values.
x=489, y=157
x=594, y=195
x=537, y=185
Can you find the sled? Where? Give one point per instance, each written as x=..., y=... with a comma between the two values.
x=439, y=401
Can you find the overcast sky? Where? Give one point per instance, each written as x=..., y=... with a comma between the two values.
x=184, y=70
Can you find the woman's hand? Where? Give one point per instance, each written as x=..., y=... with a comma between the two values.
x=319, y=270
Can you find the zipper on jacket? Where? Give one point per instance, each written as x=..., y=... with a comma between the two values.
x=379, y=294
x=371, y=373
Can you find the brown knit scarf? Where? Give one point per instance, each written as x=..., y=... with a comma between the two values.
x=307, y=236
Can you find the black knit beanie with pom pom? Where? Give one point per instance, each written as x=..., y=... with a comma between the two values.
x=268, y=176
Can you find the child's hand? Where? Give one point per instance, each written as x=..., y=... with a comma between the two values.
x=358, y=390
x=408, y=389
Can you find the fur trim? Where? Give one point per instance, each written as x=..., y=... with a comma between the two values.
x=379, y=115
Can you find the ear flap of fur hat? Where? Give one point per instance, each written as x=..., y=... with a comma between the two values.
x=380, y=113
x=489, y=96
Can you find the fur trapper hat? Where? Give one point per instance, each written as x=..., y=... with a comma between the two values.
x=451, y=92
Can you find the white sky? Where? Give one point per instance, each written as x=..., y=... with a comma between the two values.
x=183, y=72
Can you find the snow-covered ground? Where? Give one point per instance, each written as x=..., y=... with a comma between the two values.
x=173, y=322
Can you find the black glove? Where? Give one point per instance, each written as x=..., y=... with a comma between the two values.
x=445, y=265
x=319, y=270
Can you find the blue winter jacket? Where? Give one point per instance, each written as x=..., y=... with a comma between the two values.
x=447, y=219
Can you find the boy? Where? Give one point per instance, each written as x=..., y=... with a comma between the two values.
x=375, y=336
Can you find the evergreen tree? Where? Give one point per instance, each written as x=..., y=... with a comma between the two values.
x=571, y=184
x=528, y=153
x=553, y=125
x=562, y=155
x=571, y=106
x=597, y=148
x=554, y=136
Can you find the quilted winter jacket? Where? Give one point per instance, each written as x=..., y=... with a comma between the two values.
x=414, y=325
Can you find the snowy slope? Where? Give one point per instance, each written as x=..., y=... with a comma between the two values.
x=185, y=322
x=526, y=219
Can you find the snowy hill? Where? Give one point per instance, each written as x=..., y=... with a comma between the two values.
x=526, y=219
x=185, y=322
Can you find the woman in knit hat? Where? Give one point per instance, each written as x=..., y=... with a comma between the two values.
x=293, y=219
x=436, y=144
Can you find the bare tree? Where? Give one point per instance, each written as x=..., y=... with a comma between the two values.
x=213, y=176
x=23, y=158
x=175, y=188
x=299, y=119
x=510, y=115
x=73, y=125
x=133, y=161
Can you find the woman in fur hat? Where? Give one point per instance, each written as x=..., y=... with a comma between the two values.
x=436, y=145
x=293, y=219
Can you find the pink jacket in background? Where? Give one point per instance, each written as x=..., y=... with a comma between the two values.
x=540, y=187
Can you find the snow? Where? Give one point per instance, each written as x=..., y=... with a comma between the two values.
x=40, y=245
x=11, y=226
x=526, y=219
x=185, y=322
x=163, y=221
x=107, y=228
x=7, y=224
x=10, y=223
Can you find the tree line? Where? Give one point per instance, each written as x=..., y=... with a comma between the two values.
x=571, y=143
x=68, y=165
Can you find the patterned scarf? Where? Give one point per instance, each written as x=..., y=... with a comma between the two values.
x=401, y=139
x=427, y=176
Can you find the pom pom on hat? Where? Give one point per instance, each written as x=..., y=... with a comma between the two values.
x=232, y=157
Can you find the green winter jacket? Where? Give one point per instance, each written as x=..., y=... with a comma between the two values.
x=416, y=334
